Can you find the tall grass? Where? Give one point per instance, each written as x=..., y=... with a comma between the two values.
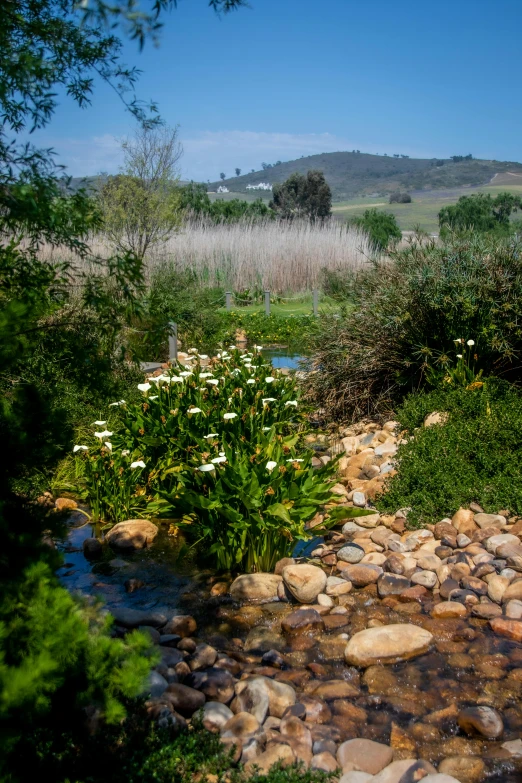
x=280, y=256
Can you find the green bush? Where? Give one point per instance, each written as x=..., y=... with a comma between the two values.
x=475, y=456
x=381, y=227
x=409, y=313
x=292, y=331
x=399, y=198
x=480, y=212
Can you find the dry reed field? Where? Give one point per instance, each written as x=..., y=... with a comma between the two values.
x=281, y=256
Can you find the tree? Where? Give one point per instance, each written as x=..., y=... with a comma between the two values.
x=303, y=196
x=238, y=172
x=223, y=176
x=399, y=198
x=194, y=199
x=381, y=227
x=480, y=212
x=141, y=205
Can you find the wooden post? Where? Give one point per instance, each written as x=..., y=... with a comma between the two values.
x=316, y=302
x=228, y=299
x=267, y=302
x=173, y=342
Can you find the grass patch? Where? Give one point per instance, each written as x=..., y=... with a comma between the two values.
x=475, y=456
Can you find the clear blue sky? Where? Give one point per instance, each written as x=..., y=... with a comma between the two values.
x=286, y=78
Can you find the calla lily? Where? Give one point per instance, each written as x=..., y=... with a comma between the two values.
x=230, y=415
x=154, y=397
x=471, y=342
x=267, y=429
x=176, y=379
x=203, y=356
x=459, y=356
x=108, y=445
x=221, y=453
x=102, y=435
x=295, y=460
x=138, y=464
x=218, y=460
x=186, y=373
x=144, y=387
x=206, y=467
x=80, y=448
x=291, y=402
x=192, y=350
x=113, y=404
x=258, y=347
x=206, y=374
x=269, y=379
x=125, y=453
x=100, y=423
x=211, y=435
x=213, y=381
x=271, y=465
x=194, y=410
x=231, y=347
x=265, y=400
x=251, y=380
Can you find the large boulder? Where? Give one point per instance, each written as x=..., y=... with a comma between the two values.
x=258, y=588
x=305, y=582
x=132, y=534
x=387, y=644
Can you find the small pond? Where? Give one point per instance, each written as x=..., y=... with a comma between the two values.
x=284, y=357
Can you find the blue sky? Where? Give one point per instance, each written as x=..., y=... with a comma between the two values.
x=286, y=78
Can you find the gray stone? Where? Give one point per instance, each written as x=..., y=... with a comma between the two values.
x=490, y=520
x=258, y=588
x=214, y=715
x=305, y=582
x=351, y=553
x=366, y=755
x=482, y=720
x=132, y=534
x=156, y=684
x=132, y=618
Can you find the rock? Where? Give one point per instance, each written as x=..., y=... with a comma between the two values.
x=366, y=755
x=368, y=521
x=337, y=586
x=185, y=700
x=215, y=715
x=511, y=629
x=490, y=520
x=464, y=522
x=404, y=771
x=302, y=621
x=156, y=684
x=283, y=563
x=356, y=776
x=262, y=639
x=335, y=689
x=387, y=644
x=361, y=575
x=486, y=611
x=448, y=609
x=324, y=761
x=352, y=553
x=513, y=591
x=325, y=601
x=181, y=624
x=445, y=528
x=305, y=582
x=447, y=587
x=186, y=645
x=513, y=610
x=131, y=585
x=258, y=588
x=493, y=543
x=497, y=586
x=482, y=720
x=351, y=527
x=429, y=562
x=359, y=499
x=261, y=694
x=203, y=657
x=65, y=504
x=426, y=579
x=466, y=769
x=92, y=547
x=440, y=778
x=241, y=725
x=132, y=618
x=294, y=729
x=514, y=748
x=216, y=684
x=437, y=417
x=274, y=754
x=132, y=534
x=391, y=584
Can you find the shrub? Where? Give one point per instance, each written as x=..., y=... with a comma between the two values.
x=400, y=198
x=381, y=227
x=480, y=212
x=475, y=456
x=408, y=313
x=293, y=331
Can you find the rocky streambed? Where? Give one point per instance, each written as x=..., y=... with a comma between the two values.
x=386, y=654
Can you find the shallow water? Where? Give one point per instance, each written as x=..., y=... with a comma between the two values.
x=282, y=357
x=467, y=666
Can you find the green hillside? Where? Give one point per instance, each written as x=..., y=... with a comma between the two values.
x=350, y=173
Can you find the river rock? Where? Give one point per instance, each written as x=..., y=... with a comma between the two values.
x=261, y=639
x=493, y=543
x=324, y=761
x=336, y=586
x=448, y=609
x=92, y=548
x=184, y=699
x=132, y=534
x=260, y=695
x=362, y=574
x=216, y=684
x=490, y=520
x=181, y=624
x=404, y=771
x=467, y=769
x=203, y=657
x=482, y=720
x=156, y=684
x=305, y=582
x=513, y=591
x=511, y=629
x=387, y=644
x=497, y=586
x=513, y=610
x=463, y=521
x=351, y=553
x=241, y=725
x=365, y=755
x=426, y=579
x=132, y=618
x=369, y=521
x=356, y=776
x=439, y=777
x=274, y=754
x=259, y=588
x=215, y=715
x=391, y=584
x=302, y=621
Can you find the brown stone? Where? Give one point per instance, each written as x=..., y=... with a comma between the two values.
x=65, y=504
x=463, y=520
x=335, y=689
x=466, y=769
x=365, y=755
x=182, y=624
x=132, y=534
x=448, y=609
x=511, y=629
x=302, y=621
x=317, y=710
x=361, y=575
x=482, y=720
x=276, y=753
x=447, y=586
x=442, y=529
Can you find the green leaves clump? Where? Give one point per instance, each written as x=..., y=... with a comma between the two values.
x=475, y=456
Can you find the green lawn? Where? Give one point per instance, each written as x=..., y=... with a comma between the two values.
x=293, y=306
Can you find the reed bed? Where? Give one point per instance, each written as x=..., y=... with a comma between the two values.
x=275, y=255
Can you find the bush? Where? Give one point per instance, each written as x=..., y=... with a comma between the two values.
x=480, y=212
x=400, y=198
x=292, y=331
x=475, y=456
x=408, y=313
x=381, y=227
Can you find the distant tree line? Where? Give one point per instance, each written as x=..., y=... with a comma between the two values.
x=480, y=212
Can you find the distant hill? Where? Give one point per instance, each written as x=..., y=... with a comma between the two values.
x=351, y=173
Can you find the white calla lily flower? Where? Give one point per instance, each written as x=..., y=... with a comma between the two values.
x=266, y=400
x=113, y=404
x=206, y=374
x=218, y=460
x=221, y=453
x=102, y=435
x=186, y=373
x=291, y=402
x=230, y=415
x=192, y=350
x=459, y=356
x=231, y=347
x=194, y=410
x=100, y=423
x=269, y=379
x=258, y=347
x=153, y=397
x=211, y=435
x=125, y=453
x=251, y=380
x=203, y=356
x=138, y=464
x=270, y=465
x=471, y=342
x=206, y=467
x=80, y=448
x=267, y=429
x=108, y=445
x=144, y=387
x=295, y=460
x=213, y=381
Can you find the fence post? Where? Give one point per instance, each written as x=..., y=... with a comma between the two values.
x=316, y=302
x=228, y=299
x=267, y=302
x=173, y=342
